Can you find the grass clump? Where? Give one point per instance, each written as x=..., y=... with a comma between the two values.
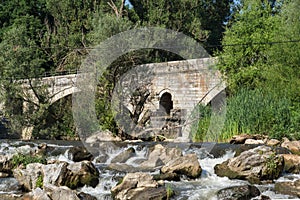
x=39, y=182
x=23, y=159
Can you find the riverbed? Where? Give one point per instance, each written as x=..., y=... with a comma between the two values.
x=204, y=187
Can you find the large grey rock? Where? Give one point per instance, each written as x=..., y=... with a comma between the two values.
x=54, y=174
x=58, y=174
x=273, y=142
x=243, y=192
x=78, y=154
x=240, y=139
x=29, y=176
x=138, y=186
x=84, y=196
x=291, y=163
x=103, y=136
x=254, y=165
x=80, y=174
x=185, y=165
x=289, y=188
x=124, y=156
x=160, y=156
x=293, y=146
x=39, y=194
x=63, y=193
x=5, y=165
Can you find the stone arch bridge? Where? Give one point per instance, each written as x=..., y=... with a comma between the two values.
x=175, y=85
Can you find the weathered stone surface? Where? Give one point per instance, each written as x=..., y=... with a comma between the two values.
x=54, y=174
x=84, y=196
x=138, y=186
x=63, y=193
x=293, y=146
x=291, y=163
x=80, y=174
x=28, y=177
x=150, y=193
x=244, y=192
x=78, y=154
x=289, y=188
x=102, y=136
x=4, y=175
x=254, y=165
x=185, y=165
x=273, y=142
x=124, y=156
x=123, y=167
x=252, y=141
x=5, y=165
x=241, y=139
x=58, y=174
x=160, y=156
x=101, y=158
x=39, y=194
x=167, y=176
x=6, y=196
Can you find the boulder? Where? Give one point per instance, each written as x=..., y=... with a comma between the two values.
x=254, y=165
x=63, y=193
x=240, y=139
x=5, y=165
x=273, y=142
x=58, y=174
x=289, y=188
x=167, y=176
x=185, y=165
x=84, y=196
x=78, y=154
x=253, y=141
x=138, y=186
x=124, y=156
x=123, y=167
x=80, y=174
x=103, y=136
x=101, y=158
x=160, y=156
x=39, y=194
x=293, y=146
x=9, y=196
x=29, y=177
x=291, y=163
x=54, y=174
x=243, y=192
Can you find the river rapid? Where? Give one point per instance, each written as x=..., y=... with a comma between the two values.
x=204, y=187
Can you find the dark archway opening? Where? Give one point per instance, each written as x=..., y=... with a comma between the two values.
x=166, y=103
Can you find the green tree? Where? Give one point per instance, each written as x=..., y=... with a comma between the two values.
x=245, y=52
x=201, y=19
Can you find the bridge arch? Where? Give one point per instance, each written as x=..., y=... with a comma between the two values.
x=166, y=103
x=64, y=93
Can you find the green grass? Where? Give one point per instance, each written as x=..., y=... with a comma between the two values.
x=253, y=112
x=19, y=159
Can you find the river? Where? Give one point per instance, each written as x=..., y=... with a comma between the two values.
x=205, y=187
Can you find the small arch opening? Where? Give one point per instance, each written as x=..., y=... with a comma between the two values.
x=166, y=103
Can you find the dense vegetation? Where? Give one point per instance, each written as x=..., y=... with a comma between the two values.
x=261, y=60
x=257, y=43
